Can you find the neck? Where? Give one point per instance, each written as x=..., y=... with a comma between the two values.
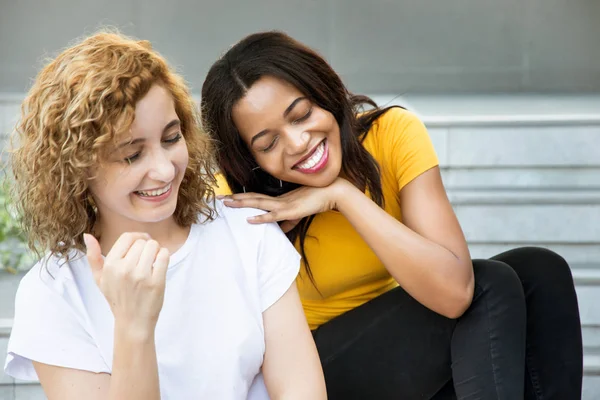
x=167, y=233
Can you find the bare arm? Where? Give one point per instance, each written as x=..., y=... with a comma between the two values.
x=291, y=369
x=134, y=375
x=426, y=253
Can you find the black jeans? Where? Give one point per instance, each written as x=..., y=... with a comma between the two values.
x=520, y=338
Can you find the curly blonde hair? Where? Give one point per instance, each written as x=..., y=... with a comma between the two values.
x=77, y=106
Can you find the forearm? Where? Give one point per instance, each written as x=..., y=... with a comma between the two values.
x=135, y=370
x=429, y=272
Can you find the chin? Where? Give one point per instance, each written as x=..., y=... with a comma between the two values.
x=321, y=181
x=158, y=215
x=158, y=219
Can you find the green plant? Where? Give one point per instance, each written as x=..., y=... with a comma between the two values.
x=14, y=253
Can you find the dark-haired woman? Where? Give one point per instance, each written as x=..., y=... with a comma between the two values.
x=397, y=307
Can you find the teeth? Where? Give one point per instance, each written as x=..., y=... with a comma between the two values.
x=314, y=159
x=154, y=193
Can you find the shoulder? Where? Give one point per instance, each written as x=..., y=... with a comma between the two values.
x=252, y=238
x=233, y=223
x=51, y=273
x=266, y=251
x=50, y=285
x=398, y=115
x=236, y=217
x=266, y=254
x=396, y=133
x=395, y=121
x=235, y=213
x=50, y=323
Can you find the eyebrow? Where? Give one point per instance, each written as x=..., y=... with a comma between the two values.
x=168, y=126
x=285, y=114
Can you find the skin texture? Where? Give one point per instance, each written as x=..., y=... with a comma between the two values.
x=286, y=127
x=426, y=253
x=152, y=155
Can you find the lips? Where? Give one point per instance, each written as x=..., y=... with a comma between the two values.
x=155, y=192
x=315, y=160
x=312, y=158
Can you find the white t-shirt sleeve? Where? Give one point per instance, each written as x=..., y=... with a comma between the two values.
x=278, y=265
x=48, y=329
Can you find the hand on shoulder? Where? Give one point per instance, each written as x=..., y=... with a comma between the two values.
x=291, y=207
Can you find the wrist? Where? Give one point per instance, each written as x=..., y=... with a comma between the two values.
x=343, y=192
x=132, y=333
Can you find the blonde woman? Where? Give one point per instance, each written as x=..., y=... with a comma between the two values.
x=149, y=288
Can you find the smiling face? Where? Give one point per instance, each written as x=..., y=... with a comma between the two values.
x=289, y=136
x=139, y=182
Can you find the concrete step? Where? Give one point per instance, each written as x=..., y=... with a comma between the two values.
x=591, y=379
x=22, y=392
x=591, y=387
x=531, y=178
x=586, y=277
x=591, y=362
x=512, y=196
x=5, y=327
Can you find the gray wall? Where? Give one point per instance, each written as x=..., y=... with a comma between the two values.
x=379, y=46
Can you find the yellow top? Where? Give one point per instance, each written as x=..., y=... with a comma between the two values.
x=345, y=269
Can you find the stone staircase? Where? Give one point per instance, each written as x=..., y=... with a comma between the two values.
x=520, y=170
x=525, y=170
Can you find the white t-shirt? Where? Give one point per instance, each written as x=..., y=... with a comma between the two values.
x=210, y=334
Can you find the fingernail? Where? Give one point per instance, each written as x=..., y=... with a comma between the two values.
x=250, y=219
x=221, y=196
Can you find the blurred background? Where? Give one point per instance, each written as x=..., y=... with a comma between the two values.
x=509, y=89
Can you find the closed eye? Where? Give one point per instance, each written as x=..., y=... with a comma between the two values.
x=304, y=117
x=132, y=157
x=176, y=138
x=271, y=145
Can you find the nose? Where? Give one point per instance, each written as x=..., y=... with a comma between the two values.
x=297, y=141
x=162, y=167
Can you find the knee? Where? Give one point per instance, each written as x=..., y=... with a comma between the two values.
x=498, y=279
x=533, y=264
